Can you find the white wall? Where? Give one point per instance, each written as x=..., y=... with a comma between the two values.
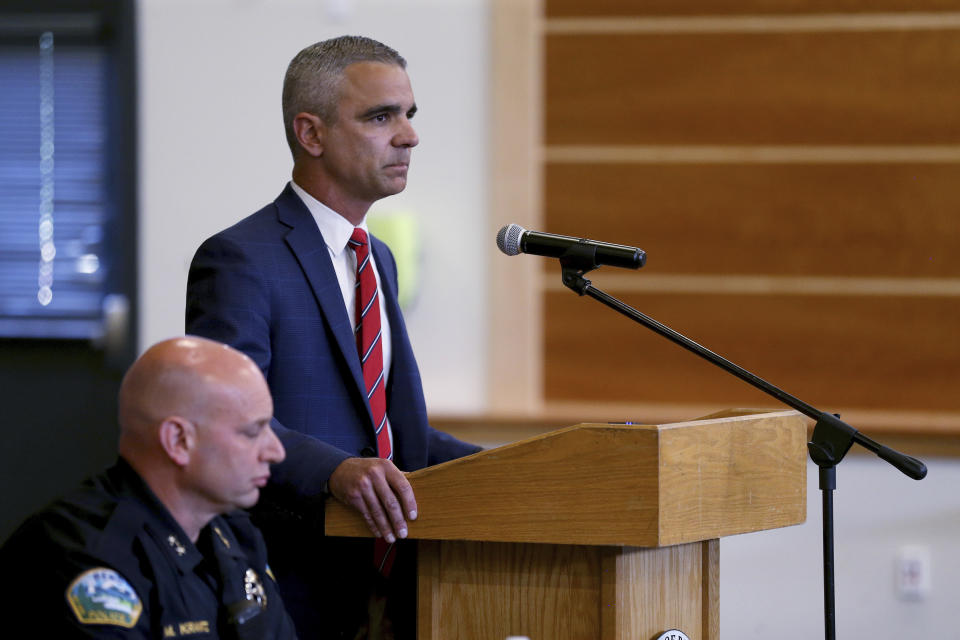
x=212, y=151
x=771, y=582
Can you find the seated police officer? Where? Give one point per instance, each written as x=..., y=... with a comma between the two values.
x=155, y=547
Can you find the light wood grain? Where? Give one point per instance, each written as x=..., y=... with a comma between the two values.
x=657, y=590
x=484, y=590
x=493, y=590
x=540, y=537
x=552, y=488
x=812, y=22
x=617, y=485
x=753, y=88
x=429, y=595
x=711, y=589
x=567, y=8
x=917, y=433
x=878, y=354
x=897, y=220
x=514, y=350
x=716, y=480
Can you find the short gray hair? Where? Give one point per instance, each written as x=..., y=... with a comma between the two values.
x=312, y=82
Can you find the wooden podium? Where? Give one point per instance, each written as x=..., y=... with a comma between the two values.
x=597, y=531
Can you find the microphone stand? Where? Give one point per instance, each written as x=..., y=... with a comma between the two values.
x=831, y=439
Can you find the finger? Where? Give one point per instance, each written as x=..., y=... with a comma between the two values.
x=391, y=507
x=354, y=492
x=359, y=501
x=378, y=514
x=404, y=492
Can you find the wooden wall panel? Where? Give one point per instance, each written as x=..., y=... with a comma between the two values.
x=570, y=8
x=754, y=88
x=832, y=352
x=792, y=168
x=875, y=220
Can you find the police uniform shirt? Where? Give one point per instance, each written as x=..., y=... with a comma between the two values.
x=109, y=561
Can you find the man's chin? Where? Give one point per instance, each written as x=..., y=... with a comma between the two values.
x=396, y=185
x=248, y=500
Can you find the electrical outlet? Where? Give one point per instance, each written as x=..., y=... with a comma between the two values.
x=912, y=572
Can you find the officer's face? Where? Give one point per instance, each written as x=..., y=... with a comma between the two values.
x=235, y=447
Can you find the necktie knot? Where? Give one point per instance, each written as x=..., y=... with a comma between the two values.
x=358, y=237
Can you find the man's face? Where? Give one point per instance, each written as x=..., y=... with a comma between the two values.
x=366, y=152
x=235, y=447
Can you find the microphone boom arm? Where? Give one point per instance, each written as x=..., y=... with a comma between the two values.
x=832, y=437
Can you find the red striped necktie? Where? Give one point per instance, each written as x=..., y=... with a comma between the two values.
x=370, y=349
x=369, y=343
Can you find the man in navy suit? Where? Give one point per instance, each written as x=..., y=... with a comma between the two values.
x=280, y=286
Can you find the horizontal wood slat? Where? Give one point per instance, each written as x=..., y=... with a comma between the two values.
x=867, y=353
x=645, y=282
x=889, y=87
x=755, y=23
x=804, y=220
x=568, y=8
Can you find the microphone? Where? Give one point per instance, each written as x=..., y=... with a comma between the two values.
x=513, y=239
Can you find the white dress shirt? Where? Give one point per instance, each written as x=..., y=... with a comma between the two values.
x=336, y=232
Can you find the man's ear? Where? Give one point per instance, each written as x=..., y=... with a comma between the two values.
x=309, y=131
x=178, y=437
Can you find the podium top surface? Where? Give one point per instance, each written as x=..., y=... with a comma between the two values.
x=615, y=484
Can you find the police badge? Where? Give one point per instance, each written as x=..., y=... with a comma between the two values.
x=103, y=596
x=254, y=588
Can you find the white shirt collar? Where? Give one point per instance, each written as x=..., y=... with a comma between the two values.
x=336, y=229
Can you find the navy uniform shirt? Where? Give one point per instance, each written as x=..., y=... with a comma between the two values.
x=109, y=561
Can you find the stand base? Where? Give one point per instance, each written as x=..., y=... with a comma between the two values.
x=484, y=590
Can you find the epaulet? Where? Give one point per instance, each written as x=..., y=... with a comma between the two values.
x=78, y=519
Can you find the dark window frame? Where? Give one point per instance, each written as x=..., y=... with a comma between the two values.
x=111, y=23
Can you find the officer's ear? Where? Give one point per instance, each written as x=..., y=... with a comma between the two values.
x=309, y=131
x=178, y=437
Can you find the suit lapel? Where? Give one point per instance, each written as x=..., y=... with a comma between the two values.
x=308, y=246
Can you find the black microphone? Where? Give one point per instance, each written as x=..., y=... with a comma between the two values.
x=513, y=239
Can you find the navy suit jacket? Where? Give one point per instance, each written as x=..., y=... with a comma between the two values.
x=266, y=286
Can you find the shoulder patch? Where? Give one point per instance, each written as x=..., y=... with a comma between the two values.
x=103, y=596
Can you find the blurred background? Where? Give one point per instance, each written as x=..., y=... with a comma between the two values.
x=791, y=168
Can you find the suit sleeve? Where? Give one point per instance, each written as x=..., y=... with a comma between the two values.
x=229, y=300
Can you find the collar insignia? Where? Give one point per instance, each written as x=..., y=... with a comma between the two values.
x=177, y=546
x=103, y=596
x=220, y=535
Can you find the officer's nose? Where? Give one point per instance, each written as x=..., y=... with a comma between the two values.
x=273, y=450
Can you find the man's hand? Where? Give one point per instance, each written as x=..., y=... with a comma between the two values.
x=379, y=491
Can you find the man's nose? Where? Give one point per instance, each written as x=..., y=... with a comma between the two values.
x=273, y=450
x=407, y=136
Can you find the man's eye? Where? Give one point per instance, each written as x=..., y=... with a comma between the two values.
x=381, y=117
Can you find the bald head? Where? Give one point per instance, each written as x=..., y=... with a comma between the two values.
x=189, y=377
x=195, y=424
